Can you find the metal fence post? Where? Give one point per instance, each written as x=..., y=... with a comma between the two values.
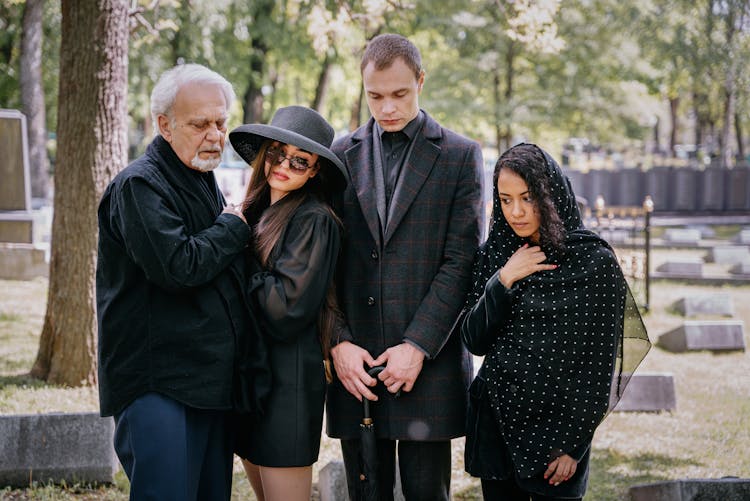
x=648, y=208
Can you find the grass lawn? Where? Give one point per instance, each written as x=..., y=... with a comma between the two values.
x=708, y=436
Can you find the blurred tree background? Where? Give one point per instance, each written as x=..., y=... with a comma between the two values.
x=644, y=74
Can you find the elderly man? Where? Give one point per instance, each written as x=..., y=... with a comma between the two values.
x=170, y=299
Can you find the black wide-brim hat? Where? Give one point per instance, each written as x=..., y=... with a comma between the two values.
x=299, y=126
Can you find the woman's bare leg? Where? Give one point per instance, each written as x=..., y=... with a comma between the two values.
x=253, y=475
x=286, y=484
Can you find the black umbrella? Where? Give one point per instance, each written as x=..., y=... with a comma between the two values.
x=367, y=488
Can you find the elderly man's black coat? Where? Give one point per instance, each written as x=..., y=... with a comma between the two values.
x=169, y=289
x=409, y=283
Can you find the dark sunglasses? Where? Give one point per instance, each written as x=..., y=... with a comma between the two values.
x=296, y=164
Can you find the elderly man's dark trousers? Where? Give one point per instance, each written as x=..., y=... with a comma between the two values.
x=170, y=451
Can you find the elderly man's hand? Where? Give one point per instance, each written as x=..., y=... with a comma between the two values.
x=235, y=210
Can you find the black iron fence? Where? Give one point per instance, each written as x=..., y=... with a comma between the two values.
x=628, y=230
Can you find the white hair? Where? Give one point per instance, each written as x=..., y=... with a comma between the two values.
x=170, y=82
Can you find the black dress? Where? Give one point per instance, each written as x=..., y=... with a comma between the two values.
x=289, y=297
x=559, y=347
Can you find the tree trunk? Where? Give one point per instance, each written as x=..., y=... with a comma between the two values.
x=738, y=134
x=92, y=148
x=674, y=123
x=32, y=97
x=510, y=57
x=498, y=114
x=253, y=98
x=356, y=110
x=322, y=89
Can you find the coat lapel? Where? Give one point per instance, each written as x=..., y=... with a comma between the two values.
x=359, y=160
x=414, y=174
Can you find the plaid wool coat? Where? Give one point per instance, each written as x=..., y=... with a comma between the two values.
x=409, y=280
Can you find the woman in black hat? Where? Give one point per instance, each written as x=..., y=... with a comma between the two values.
x=553, y=316
x=296, y=244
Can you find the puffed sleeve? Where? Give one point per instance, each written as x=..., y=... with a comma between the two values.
x=483, y=321
x=291, y=293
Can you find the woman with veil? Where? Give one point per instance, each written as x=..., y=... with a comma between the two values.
x=552, y=315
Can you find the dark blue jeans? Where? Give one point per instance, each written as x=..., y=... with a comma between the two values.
x=425, y=469
x=170, y=451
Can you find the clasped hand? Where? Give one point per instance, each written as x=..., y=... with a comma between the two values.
x=525, y=261
x=403, y=363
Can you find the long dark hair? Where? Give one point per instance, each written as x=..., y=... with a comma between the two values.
x=529, y=163
x=269, y=221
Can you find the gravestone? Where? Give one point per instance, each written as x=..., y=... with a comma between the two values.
x=739, y=189
x=705, y=304
x=705, y=230
x=743, y=237
x=617, y=236
x=648, y=392
x=15, y=190
x=713, y=335
x=20, y=259
x=332, y=484
x=685, y=266
x=682, y=236
x=741, y=269
x=684, y=190
x=729, y=254
x=693, y=489
x=56, y=447
x=630, y=187
x=658, y=185
x=711, y=189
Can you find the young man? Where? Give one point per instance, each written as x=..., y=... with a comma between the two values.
x=169, y=294
x=412, y=216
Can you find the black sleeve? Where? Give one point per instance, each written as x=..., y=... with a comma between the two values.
x=482, y=322
x=291, y=293
x=157, y=239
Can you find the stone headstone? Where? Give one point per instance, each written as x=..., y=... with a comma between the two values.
x=705, y=230
x=682, y=236
x=698, y=489
x=615, y=236
x=713, y=335
x=332, y=482
x=684, y=189
x=729, y=254
x=738, y=189
x=628, y=187
x=682, y=267
x=22, y=262
x=56, y=447
x=659, y=186
x=648, y=393
x=15, y=190
x=743, y=237
x=740, y=269
x=16, y=223
x=711, y=186
x=707, y=304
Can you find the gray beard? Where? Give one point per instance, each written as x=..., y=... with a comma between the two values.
x=204, y=165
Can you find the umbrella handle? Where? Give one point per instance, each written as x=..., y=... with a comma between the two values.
x=372, y=372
